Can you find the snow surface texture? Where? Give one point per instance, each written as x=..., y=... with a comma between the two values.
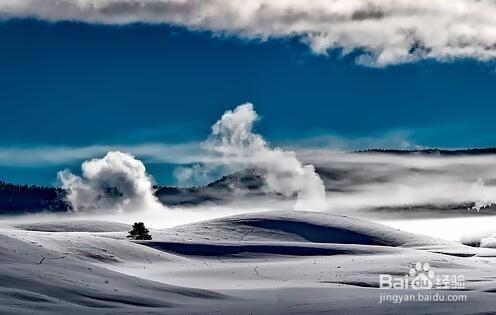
x=74, y=226
x=282, y=262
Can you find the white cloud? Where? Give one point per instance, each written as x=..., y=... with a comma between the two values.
x=117, y=181
x=387, y=31
x=233, y=144
x=400, y=139
x=54, y=155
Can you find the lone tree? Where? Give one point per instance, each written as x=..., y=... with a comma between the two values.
x=139, y=232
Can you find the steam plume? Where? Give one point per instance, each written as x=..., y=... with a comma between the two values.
x=233, y=143
x=116, y=181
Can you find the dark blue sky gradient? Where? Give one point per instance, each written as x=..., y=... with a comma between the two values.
x=75, y=84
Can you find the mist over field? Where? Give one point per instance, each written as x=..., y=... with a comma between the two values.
x=391, y=188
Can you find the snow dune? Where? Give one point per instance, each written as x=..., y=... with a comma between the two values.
x=293, y=226
x=74, y=226
x=35, y=279
x=278, y=262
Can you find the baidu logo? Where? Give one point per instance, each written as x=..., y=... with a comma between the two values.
x=421, y=276
x=429, y=286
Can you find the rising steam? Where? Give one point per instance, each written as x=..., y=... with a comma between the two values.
x=116, y=181
x=233, y=143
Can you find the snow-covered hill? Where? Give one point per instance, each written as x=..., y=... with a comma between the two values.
x=261, y=263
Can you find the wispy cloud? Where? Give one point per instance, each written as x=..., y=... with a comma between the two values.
x=384, y=31
x=195, y=152
x=401, y=139
x=53, y=155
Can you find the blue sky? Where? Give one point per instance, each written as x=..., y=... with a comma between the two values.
x=70, y=84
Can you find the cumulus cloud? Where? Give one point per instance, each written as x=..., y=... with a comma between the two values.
x=232, y=143
x=117, y=181
x=384, y=32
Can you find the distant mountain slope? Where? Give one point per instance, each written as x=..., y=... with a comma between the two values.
x=246, y=183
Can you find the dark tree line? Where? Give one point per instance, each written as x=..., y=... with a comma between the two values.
x=15, y=199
